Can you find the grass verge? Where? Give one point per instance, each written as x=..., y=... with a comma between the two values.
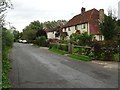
x=58, y=51
x=80, y=57
x=6, y=66
x=74, y=56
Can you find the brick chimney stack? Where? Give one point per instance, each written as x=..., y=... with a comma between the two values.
x=101, y=15
x=82, y=10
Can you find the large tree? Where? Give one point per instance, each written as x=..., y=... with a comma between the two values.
x=29, y=32
x=107, y=27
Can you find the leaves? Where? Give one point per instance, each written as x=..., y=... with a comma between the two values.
x=108, y=28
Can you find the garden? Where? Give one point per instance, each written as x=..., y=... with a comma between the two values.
x=83, y=47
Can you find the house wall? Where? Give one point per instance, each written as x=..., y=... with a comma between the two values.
x=72, y=29
x=51, y=35
x=99, y=37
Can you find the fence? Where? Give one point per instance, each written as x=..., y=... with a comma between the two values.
x=106, y=53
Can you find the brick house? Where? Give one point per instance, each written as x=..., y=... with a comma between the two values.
x=87, y=21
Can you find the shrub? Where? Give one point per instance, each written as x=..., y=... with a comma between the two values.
x=41, y=41
x=97, y=50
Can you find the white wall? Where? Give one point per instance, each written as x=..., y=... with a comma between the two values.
x=98, y=37
x=71, y=30
x=51, y=35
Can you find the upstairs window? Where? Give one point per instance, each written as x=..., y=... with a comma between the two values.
x=83, y=26
x=76, y=27
x=69, y=29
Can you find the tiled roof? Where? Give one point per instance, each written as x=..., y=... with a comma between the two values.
x=90, y=16
x=53, y=29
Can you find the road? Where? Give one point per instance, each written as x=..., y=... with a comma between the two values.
x=34, y=67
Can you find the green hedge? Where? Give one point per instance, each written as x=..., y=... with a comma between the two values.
x=59, y=46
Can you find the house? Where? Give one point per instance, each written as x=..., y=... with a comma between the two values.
x=54, y=33
x=87, y=21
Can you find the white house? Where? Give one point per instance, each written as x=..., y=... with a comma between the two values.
x=87, y=21
x=53, y=33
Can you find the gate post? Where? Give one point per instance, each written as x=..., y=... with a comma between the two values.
x=70, y=48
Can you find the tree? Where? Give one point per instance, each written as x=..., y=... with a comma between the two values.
x=107, y=27
x=41, y=33
x=54, y=24
x=109, y=30
x=4, y=4
x=16, y=35
x=36, y=25
x=29, y=32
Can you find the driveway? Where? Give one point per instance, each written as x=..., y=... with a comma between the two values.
x=34, y=67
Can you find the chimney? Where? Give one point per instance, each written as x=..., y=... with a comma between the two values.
x=82, y=10
x=101, y=15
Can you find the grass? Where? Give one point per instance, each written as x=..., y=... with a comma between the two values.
x=6, y=66
x=80, y=57
x=58, y=51
x=116, y=57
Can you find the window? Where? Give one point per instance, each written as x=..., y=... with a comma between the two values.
x=65, y=30
x=76, y=28
x=100, y=37
x=69, y=29
x=83, y=26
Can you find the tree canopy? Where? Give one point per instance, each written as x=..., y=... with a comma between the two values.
x=107, y=27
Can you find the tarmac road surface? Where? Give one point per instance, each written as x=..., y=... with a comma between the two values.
x=34, y=67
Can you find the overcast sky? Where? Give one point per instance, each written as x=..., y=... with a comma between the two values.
x=26, y=11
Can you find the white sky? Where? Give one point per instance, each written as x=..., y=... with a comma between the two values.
x=26, y=11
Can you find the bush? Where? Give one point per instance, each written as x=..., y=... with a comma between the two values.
x=97, y=50
x=7, y=43
x=64, y=47
x=41, y=41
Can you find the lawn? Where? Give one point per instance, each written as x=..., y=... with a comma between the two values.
x=58, y=51
x=80, y=57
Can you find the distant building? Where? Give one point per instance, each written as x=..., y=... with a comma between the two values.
x=53, y=33
x=119, y=10
x=87, y=21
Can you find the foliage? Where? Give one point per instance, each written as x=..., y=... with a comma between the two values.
x=41, y=41
x=83, y=39
x=54, y=24
x=29, y=35
x=4, y=4
x=16, y=35
x=41, y=33
x=63, y=36
x=7, y=43
x=59, y=46
x=118, y=22
x=74, y=38
x=7, y=38
x=29, y=32
x=97, y=50
x=107, y=27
